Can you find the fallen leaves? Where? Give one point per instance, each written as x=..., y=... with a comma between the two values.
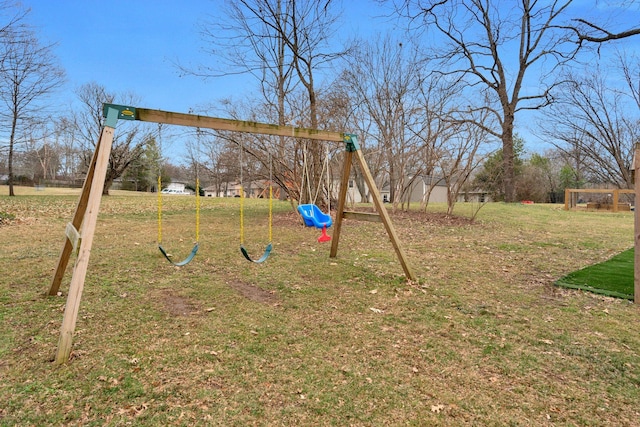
x=133, y=410
x=437, y=408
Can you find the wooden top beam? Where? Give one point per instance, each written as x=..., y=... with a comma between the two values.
x=194, y=120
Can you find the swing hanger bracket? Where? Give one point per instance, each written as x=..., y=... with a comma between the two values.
x=124, y=112
x=351, y=142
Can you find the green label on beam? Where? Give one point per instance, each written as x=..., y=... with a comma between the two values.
x=351, y=141
x=124, y=112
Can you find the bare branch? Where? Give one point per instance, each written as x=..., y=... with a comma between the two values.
x=604, y=35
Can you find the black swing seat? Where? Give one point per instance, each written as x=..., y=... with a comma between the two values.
x=185, y=261
x=264, y=256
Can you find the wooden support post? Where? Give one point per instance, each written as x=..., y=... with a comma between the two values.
x=354, y=150
x=384, y=215
x=342, y=198
x=616, y=197
x=362, y=216
x=76, y=222
x=636, y=215
x=88, y=229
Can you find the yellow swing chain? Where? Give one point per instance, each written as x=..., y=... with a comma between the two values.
x=242, y=201
x=197, y=207
x=241, y=196
x=159, y=209
x=241, y=213
x=270, y=198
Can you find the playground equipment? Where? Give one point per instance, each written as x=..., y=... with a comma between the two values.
x=86, y=213
x=314, y=217
x=571, y=198
x=310, y=212
x=196, y=245
x=269, y=247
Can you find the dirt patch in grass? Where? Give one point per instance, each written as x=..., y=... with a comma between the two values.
x=174, y=304
x=434, y=218
x=287, y=218
x=253, y=293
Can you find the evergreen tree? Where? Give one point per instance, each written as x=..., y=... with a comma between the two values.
x=142, y=174
x=491, y=177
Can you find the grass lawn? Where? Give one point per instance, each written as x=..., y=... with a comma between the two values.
x=483, y=338
x=613, y=277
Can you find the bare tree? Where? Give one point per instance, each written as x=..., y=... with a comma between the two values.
x=283, y=43
x=28, y=75
x=595, y=120
x=434, y=129
x=70, y=153
x=631, y=71
x=495, y=47
x=249, y=44
x=219, y=161
x=586, y=30
x=42, y=151
x=128, y=144
x=460, y=157
x=385, y=80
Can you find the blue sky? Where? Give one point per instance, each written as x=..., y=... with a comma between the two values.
x=133, y=45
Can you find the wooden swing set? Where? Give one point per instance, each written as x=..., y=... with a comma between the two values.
x=80, y=231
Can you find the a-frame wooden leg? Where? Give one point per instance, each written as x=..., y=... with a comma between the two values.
x=354, y=150
x=342, y=198
x=78, y=216
x=82, y=261
x=384, y=215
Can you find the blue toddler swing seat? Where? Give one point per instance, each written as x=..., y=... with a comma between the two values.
x=314, y=217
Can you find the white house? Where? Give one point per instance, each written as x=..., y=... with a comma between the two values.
x=419, y=189
x=177, y=186
x=255, y=189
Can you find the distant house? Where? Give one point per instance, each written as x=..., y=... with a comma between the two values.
x=418, y=190
x=176, y=187
x=434, y=187
x=215, y=191
x=227, y=189
x=254, y=189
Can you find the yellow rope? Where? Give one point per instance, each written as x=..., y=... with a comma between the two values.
x=159, y=209
x=270, y=210
x=197, y=209
x=241, y=215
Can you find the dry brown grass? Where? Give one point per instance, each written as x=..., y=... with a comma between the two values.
x=484, y=338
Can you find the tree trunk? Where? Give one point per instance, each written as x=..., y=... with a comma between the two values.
x=508, y=157
x=12, y=138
